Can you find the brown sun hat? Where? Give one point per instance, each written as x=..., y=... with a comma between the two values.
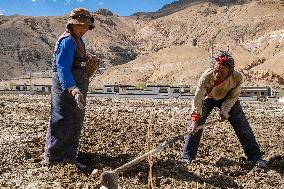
x=81, y=16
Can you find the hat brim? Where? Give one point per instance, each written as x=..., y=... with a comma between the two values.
x=81, y=22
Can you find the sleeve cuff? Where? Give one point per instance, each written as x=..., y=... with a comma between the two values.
x=225, y=114
x=71, y=88
x=195, y=117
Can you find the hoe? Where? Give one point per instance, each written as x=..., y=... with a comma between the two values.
x=109, y=179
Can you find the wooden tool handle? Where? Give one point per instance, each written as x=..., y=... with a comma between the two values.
x=156, y=150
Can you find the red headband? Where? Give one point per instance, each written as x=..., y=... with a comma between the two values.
x=223, y=60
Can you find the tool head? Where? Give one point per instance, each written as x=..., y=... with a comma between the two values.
x=109, y=179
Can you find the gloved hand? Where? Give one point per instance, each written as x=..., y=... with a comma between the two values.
x=78, y=98
x=193, y=127
x=221, y=117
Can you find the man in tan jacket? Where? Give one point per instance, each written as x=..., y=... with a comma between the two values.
x=220, y=86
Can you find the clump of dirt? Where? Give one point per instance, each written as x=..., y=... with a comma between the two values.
x=115, y=132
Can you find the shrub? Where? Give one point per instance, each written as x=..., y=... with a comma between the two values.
x=141, y=86
x=281, y=93
x=11, y=85
x=92, y=89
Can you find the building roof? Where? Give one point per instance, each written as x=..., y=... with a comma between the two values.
x=119, y=85
x=254, y=88
x=158, y=85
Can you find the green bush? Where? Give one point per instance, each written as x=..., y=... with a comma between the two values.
x=281, y=93
x=193, y=90
x=92, y=89
x=11, y=85
x=32, y=88
x=141, y=86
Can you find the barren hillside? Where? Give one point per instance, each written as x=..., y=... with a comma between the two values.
x=27, y=43
x=253, y=31
x=157, y=47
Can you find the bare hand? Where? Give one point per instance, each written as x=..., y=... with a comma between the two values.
x=221, y=117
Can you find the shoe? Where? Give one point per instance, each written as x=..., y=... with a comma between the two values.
x=78, y=165
x=81, y=166
x=261, y=164
x=185, y=161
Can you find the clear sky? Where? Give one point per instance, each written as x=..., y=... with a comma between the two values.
x=61, y=7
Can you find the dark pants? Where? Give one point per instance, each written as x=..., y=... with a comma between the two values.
x=66, y=121
x=240, y=124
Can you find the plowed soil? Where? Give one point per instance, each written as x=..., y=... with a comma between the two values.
x=115, y=132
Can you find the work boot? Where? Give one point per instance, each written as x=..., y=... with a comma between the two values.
x=261, y=163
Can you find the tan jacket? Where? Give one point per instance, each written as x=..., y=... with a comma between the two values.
x=230, y=88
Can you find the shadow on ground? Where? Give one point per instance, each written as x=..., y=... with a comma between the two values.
x=102, y=161
x=277, y=163
x=173, y=169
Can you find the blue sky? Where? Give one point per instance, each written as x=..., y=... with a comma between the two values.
x=61, y=7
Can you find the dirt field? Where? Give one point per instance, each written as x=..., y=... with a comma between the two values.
x=116, y=131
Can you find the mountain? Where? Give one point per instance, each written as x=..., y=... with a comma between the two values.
x=27, y=43
x=157, y=47
x=253, y=31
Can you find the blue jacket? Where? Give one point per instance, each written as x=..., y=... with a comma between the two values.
x=65, y=50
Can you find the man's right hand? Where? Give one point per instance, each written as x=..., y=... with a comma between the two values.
x=78, y=98
x=193, y=127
